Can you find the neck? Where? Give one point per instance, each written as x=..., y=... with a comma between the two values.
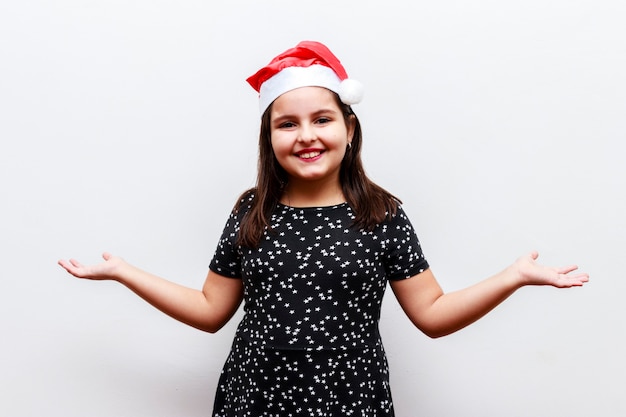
x=312, y=194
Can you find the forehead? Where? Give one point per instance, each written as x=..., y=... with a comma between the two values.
x=304, y=100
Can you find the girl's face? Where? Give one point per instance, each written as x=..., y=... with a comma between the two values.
x=309, y=134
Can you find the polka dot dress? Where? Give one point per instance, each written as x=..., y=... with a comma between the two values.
x=308, y=344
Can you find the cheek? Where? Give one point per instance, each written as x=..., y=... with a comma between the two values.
x=280, y=146
x=278, y=149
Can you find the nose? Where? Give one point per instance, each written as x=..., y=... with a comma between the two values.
x=306, y=133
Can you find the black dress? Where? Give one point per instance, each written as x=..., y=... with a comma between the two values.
x=308, y=344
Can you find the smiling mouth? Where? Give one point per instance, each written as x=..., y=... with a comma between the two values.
x=309, y=155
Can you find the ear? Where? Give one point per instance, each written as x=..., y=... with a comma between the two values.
x=351, y=125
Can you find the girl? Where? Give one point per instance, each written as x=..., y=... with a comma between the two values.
x=310, y=250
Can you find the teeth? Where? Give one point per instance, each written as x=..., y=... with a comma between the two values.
x=309, y=155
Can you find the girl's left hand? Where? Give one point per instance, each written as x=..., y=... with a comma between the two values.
x=532, y=273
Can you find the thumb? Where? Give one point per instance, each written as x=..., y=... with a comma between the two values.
x=106, y=256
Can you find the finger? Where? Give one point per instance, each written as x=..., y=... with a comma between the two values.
x=576, y=283
x=582, y=277
x=70, y=267
x=567, y=269
x=570, y=284
x=577, y=280
x=106, y=256
x=64, y=264
x=75, y=263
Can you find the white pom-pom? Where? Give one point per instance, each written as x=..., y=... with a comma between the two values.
x=351, y=92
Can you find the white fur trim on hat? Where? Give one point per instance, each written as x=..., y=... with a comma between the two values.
x=349, y=91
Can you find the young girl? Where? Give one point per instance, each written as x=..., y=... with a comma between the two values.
x=310, y=250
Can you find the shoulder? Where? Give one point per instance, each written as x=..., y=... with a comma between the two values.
x=400, y=209
x=395, y=210
x=242, y=206
x=246, y=197
x=397, y=220
x=245, y=201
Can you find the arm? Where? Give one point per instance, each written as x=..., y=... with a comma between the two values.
x=438, y=314
x=207, y=310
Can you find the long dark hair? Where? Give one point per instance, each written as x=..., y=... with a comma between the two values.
x=371, y=203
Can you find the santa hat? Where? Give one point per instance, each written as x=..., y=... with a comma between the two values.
x=309, y=64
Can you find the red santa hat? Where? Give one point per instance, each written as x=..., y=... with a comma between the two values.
x=309, y=64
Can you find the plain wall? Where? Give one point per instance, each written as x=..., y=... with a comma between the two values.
x=127, y=126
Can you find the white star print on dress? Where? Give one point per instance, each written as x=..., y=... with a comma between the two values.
x=309, y=344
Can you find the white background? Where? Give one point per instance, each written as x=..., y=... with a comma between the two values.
x=127, y=126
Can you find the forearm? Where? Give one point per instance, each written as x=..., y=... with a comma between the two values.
x=438, y=314
x=184, y=304
x=455, y=310
x=206, y=310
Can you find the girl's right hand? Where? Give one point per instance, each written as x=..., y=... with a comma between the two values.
x=206, y=310
x=109, y=269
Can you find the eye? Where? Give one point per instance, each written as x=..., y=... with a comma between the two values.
x=323, y=120
x=286, y=125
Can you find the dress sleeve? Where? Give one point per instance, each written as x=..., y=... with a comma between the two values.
x=227, y=257
x=404, y=257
